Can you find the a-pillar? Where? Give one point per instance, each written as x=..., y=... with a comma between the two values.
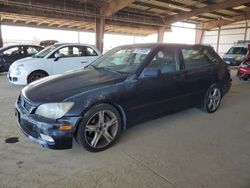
x=1, y=36
x=100, y=28
x=161, y=31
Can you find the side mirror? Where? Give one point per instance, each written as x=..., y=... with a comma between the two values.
x=58, y=56
x=150, y=73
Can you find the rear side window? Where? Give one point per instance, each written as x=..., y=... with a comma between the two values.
x=164, y=60
x=197, y=57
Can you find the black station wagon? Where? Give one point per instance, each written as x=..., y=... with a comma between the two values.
x=121, y=88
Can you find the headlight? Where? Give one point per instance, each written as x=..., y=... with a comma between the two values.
x=54, y=110
x=18, y=69
x=237, y=58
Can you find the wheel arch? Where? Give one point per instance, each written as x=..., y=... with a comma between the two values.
x=118, y=107
x=38, y=70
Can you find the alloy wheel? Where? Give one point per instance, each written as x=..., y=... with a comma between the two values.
x=101, y=129
x=214, y=98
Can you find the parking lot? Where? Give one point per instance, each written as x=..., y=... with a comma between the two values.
x=186, y=149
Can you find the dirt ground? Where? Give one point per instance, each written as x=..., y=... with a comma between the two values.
x=189, y=149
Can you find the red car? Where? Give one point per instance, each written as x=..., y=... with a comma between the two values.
x=244, y=70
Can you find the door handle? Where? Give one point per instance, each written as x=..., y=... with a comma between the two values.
x=84, y=62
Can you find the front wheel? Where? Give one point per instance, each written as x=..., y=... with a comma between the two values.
x=100, y=128
x=212, y=99
x=36, y=76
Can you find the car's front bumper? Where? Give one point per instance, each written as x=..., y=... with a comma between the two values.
x=243, y=72
x=44, y=131
x=232, y=62
x=18, y=78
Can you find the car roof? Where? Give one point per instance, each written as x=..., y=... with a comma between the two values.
x=19, y=45
x=154, y=45
x=73, y=44
x=245, y=45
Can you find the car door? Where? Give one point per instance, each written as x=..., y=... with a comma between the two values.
x=68, y=58
x=199, y=72
x=161, y=93
x=10, y=55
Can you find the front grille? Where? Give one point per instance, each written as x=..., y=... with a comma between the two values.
x=29, y=129
x=24, y=103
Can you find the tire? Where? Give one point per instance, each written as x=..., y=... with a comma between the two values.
x=36, y=75
x=100, y=128
x=212, y=99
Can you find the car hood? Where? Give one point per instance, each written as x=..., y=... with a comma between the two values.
x=58, y=88
x=24, y=61
x=232, y=56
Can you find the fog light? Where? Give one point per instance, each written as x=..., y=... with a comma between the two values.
x=47, y=138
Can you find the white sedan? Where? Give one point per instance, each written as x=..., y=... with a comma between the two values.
x=55, y=59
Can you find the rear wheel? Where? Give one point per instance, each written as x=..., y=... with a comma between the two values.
x=212, y=99
x=36, y=76
x=100, y=128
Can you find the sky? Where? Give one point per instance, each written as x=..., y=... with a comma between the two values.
x=16, y=35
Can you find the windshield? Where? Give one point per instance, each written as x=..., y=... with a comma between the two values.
x=237, y=50
x=46, y=51
x=122, y=60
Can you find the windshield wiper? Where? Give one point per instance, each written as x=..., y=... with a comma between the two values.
x=110, y=70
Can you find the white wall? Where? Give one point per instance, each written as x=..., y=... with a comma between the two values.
x=229, y=35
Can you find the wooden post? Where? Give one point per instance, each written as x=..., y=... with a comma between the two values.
x=161, y=31
x=218, y=41
x=199, y=33
x=100, y=28
x=246, y=29
x=1, y=36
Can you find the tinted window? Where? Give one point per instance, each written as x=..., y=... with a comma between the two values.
x=164, y=60
x=15, y=51
x=11, y=51
x=208, y=56
x=238, y=50
x=196, y=57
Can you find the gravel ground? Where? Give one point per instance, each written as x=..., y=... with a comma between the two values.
x=188, y=149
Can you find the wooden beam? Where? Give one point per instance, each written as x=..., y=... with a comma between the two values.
x=222, y=22
x=1, y=37
x=114, y=6
x=203, y=10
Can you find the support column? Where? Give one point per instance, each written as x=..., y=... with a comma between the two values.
x=246, y=29
x=199, y=36
x=1, y=36
x=218, y=41
x=100, y=28
x=161, y=31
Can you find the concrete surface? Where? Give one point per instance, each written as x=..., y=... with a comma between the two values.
x=188, y=149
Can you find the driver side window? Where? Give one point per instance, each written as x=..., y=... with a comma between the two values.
x=165, y=61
